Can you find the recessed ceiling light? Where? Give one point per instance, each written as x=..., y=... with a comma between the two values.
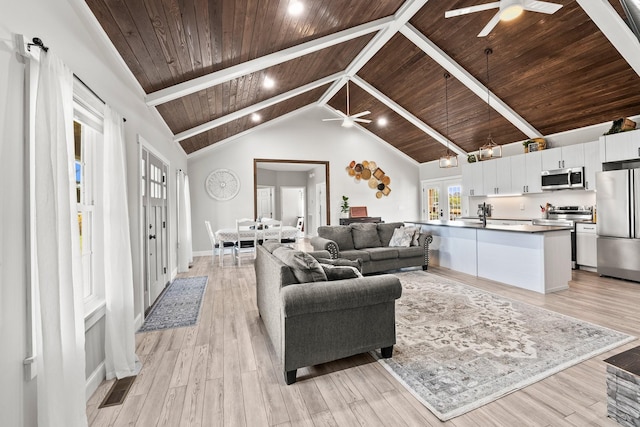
x=382, y=121
x=268, y=83
x=295, y=8
x=255, y=117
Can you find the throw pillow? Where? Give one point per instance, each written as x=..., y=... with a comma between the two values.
x=385, y=231
x=401, y=237
x=415, y=236
x=365, y=235
x=343, y=262
x=304, y=267
x=336, y=272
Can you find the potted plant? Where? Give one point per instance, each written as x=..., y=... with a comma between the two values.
x=344, y=207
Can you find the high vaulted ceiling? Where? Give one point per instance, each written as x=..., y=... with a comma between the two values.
x=203, y=63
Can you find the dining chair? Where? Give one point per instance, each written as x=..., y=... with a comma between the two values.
x=272, y=229
x=246, y=238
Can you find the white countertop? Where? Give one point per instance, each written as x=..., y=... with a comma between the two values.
x=520, y=228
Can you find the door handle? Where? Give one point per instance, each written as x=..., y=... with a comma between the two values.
x=152, y=236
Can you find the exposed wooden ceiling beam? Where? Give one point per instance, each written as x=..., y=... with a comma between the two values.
x=401, y=17
x=407, y=115
x=255, y=107
x=254, y=65
x=614, y=28
x=468, y=80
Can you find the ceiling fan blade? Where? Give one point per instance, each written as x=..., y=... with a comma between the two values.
x=471, y=9
x=541, y=6
x=362, y=120
x=364, y=113
x=331, y=120
x=490, y=26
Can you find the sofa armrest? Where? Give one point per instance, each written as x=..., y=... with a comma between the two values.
x=322, y=244
x=320, y=254
x=318, y=297
x=425, y=240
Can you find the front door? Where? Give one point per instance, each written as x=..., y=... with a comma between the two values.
x=154, y=204
x=441, y=199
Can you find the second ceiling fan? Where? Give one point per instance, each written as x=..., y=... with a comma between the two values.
x=508, y=10
x=349, y=120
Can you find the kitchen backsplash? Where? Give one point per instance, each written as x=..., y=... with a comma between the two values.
x=528, y=206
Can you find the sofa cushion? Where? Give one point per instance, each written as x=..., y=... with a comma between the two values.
x=354, y=254
x=341, y=234
x=385, y=231
x=305, y=267
x=413, y=251
x=270, y=246
x=365, y=235
x=338, y=272
x=401, y=237
x=343, y=262
x=383, y=253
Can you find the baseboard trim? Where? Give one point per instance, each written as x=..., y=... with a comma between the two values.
x=94, y=380
x=174, y=273
x=139, y=320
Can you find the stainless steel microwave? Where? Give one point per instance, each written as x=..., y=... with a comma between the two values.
x=559, y=179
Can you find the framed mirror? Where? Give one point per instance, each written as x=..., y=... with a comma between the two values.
x=286, y=190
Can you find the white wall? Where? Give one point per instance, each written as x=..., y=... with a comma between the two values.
x=64, y=27
x=303, y=136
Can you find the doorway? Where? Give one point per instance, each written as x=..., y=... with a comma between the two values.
x=292, y=205
x=154, y=173
x=265, y=201
x=442, y=199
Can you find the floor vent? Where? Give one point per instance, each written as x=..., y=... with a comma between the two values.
x=118, y=392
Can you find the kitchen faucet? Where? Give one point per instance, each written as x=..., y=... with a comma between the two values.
x=484, y=214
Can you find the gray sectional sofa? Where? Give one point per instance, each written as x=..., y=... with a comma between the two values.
x=370, y=243
x=321, y=320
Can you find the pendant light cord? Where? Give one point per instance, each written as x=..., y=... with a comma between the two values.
x=446, y=104
x=488, y=51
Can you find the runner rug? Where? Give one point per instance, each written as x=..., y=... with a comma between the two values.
x=178, y=306
x=459, y=347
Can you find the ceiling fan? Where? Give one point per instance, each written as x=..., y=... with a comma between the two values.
x=349, y=120
x=508, y=10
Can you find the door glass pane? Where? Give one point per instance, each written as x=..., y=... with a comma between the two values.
x=433, y=207
x=455, y=201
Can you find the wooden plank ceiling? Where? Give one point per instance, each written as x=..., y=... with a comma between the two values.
x=555, y=72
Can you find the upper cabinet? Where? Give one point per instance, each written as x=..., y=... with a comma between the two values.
x=496, y=176
x=472, y=179
x=621, y=146
x=571, y=156
x=525, y=172
x=593, y=158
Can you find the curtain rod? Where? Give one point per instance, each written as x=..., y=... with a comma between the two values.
x=37, y=42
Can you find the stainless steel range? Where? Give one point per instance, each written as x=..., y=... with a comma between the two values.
x=567, y=216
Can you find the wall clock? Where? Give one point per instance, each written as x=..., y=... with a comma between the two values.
x=222, y=184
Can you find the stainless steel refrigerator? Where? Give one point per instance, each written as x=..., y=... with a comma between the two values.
x=618, y=223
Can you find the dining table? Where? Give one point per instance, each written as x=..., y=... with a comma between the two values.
x=231, y=235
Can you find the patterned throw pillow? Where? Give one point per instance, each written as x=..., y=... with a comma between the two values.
x=415, y=236
x=401, y=238
x=339, y=272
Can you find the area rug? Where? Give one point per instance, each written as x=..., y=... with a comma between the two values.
x=459, y=347
x=178, y=306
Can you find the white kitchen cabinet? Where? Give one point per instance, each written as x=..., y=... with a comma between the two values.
x=586, y=245
x=496, y=176
x=571, y=156
x=472, y=179
x=525, y=172
x=622, y=146
x=593, y=158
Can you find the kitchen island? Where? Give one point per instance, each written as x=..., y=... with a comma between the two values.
x=532, y=257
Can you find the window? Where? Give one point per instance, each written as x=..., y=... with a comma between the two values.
x=434, y=203
x=455, y=201
x=88, y=134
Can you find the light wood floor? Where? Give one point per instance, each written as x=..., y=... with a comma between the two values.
x=223, y=371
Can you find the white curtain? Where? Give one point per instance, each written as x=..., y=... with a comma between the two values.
x=61, y=355
x=113, y=249
x=185, y=249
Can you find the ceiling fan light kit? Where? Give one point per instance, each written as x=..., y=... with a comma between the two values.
x=508, y=10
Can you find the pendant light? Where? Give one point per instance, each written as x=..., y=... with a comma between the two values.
x=490, y=150
x=449, y=159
